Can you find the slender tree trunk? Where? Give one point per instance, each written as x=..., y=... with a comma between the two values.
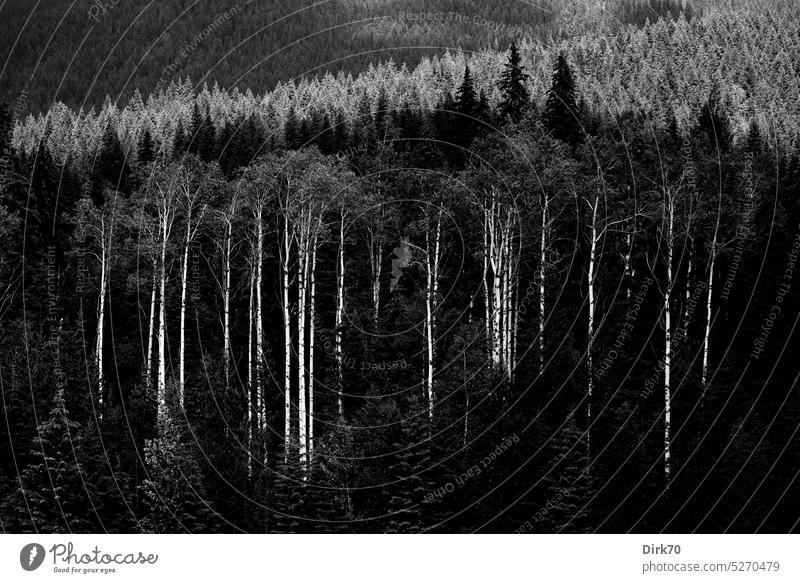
x=312, y=314
x=707, y=333
x=668, y=342
x=302, y=275
x=542, y=273
x=101, y=311
x=250, y=372
x=162, y=323
x=487, y=294
x=182, y=339
x=339, y=317
x=287, y=342
x=590, y=331
x=148, y=375
x=433, y=252
x=376, y=267
x=226, y=307
x=259, y=396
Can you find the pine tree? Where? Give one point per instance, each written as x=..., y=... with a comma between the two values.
x=174, y=487
x=561, y=114
x=111, y=165
x=147, y=152
x=569, y=482
x=712, y=125
x=206, y=140
x=515, y=100
x=180, y=143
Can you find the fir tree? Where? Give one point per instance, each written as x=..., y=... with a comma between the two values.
x=180, y=143
x=569, y=482
x=147, y=152
x=111, y=165
x=712, y=125
x=561, y=114
x=515, y=99
x=174, y=487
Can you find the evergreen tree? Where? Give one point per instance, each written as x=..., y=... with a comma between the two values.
x=206, y=140
x=712, y=124
x=180, y=144
x=569, y=484
x=174, y=488
x=147, y=152
x=111, y=165
x=561, y=114
x=515, y=100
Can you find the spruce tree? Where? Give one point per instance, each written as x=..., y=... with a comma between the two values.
x=515, y=99
x=712, y=125
x=180, y=143
x=111, y=165
x=206, y=140
x=146, y=152
x=174, y=487
x=561, y=114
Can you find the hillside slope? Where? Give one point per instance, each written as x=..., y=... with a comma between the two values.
x=79, y=51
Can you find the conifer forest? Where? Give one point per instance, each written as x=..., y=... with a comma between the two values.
x=409, y=266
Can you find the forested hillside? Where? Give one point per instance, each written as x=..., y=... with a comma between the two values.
x=543, y=289
x=80, y=51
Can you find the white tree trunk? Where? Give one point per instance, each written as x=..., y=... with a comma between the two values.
x=162, y=323
x=101, y=311
x=376, y=267
x=250, y=372
x=590, y=331
x=287, y=342
x=182, y=339
x=668, y=340
x=302, y=276
x=312, y=313
x=259, y=396
x=226, y=306
x=542, y=272
x=339, y=317
x=148, y=374
x=487, y=294
x=707, y=333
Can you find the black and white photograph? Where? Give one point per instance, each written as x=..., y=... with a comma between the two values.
x=370, y=267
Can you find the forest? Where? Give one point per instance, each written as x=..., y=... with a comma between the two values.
x=547, y=289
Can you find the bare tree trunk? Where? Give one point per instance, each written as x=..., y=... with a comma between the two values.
x=542, y=272
x=590, y=331
x=148, y=375
x=162, y=323
x=302, y=275
x=707, y=333
x=376, y=266
x=259, y=396
x=312, y=313
x=182, y=338
x=250, y=372
x=668, y=341
x=487, y=294
x=339, y=317
x=101, y=311
x=226, y=307
x=431, y=295
x=287, y=342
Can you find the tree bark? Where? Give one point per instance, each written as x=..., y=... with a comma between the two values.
x=668, y=339
x=287, y=342
x=339, y=317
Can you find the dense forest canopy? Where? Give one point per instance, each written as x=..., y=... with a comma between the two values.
x=542, y=289
x=79, y=52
